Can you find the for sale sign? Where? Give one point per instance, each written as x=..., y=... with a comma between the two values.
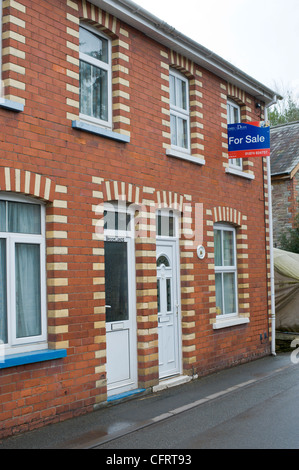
x=247, y=140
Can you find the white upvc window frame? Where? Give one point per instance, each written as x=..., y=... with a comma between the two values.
x=16, y=345
x=166, y=215
x=222, y=269
x=104, y=66
x=232, y=107
x=177, y=112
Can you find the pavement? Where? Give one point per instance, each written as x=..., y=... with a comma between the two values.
x=118, y=418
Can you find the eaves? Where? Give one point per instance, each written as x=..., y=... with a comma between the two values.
x=157, y=29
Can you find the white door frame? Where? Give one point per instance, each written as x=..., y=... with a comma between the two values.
x=174, y=241
x=129, y=325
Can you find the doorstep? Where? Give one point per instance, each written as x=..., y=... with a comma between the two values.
x=173, y=382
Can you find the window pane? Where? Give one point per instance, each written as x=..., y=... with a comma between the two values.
x=173, y=128
x=2, y=216
x=100, y=93
x=165, y=225
x=109, y=220
x=181, y=94
x=218, y=247
x=24, y=218
x=93, y=91
x=182, y=138
x=28, y=290
x=235, y=115
x=228, y=248
x=85, y=88
x=172, y=89
x=229, y=293
x=219, y=302
x=116, y=281
x=93, y=45
x=168, y=295
x=163, y=260
x=3, y=292
x=114, y=221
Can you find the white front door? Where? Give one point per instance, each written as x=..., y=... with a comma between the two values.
x=120, y=315
x=168, y=309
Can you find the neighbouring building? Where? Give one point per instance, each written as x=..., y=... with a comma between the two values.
x=284, y=177
x=131, y=249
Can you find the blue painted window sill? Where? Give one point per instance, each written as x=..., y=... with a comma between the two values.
x=11, y=105
x=84, y=126
x=20, y=359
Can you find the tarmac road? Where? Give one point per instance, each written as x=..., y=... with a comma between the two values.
x=250, y=406
x=261, y=414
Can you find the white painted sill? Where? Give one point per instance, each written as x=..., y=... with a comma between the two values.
x=228, y=322
x=11, y=105
x=243, y=174
x=185, y=156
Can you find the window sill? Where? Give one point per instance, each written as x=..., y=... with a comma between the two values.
x=184, y=156
x=234, y=171
x=20, y=359
x=11, y=105
x=228, y=322
x=84, y=126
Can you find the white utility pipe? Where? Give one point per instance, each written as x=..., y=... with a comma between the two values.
x=273, y=317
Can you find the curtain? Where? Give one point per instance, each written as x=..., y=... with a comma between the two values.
x=219, y=303
x=228, y=248
x=3, y=294
x=24, y=218
x=218, y=247
x=28, y=290
x=229, y=292
x=2, y=216
x=93, y=91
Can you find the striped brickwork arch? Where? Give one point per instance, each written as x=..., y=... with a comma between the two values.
x=27, y=183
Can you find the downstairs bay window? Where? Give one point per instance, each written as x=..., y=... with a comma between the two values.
x=22, y=275
x=225, y=270
x=226, y=277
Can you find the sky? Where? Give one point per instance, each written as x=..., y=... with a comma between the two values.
x=260, y=37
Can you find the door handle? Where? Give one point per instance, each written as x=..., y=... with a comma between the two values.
x=108, y=306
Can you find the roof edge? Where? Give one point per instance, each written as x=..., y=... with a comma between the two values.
x=136, y=16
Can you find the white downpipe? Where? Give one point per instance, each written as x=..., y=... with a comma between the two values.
x=273, y=316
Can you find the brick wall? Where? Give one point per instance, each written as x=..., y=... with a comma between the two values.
x=75, y=172
x=285, y=205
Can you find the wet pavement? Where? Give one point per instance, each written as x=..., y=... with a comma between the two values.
x=121, y=418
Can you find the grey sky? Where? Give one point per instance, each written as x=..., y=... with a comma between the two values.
x=261, y=37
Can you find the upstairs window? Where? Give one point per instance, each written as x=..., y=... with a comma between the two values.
x=234, y=116
x=95, y=77
x=179, y=112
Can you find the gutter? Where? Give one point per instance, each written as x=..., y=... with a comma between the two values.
x=157, y=29
x=273, y=315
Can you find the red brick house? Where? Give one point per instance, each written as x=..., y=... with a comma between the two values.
x=132, y=251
